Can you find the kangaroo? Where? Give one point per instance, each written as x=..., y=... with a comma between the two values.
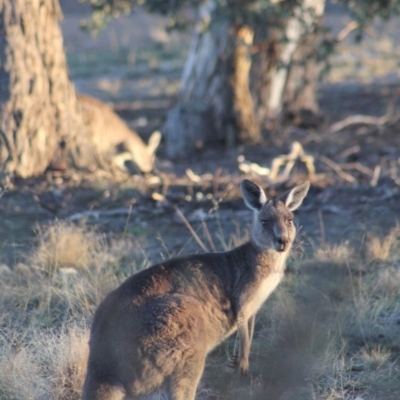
x=112, y=136
x=150, y=337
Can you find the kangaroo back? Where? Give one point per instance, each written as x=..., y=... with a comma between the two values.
x=111, y=136
x=150, y=337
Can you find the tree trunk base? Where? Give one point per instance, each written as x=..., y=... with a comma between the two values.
x=188, y=129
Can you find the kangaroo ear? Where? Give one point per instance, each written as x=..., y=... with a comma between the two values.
x=294, y=197
x=154, y=141
x=253, y=194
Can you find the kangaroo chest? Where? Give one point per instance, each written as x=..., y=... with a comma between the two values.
x=263, y=291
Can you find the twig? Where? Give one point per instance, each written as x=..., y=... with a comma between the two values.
x=127, y=219
x=375, y=177
x=363, y=119
x=358, y=119
x=347, y=177
x=359, y=167
x=297, y=153
x=192, y=231
x=208, y=236
x=346, y=30
x=348, y=152
x=192, y=176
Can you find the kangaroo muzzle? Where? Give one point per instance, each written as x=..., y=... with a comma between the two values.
x=282, y=241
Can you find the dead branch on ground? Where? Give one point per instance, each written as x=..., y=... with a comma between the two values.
x=389, y=116
x=336, y=167
x=297, y=154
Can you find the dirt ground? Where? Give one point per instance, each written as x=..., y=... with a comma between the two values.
x=135, y=66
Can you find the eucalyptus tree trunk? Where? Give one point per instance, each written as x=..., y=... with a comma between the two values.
x=214, y=103
x=300, y=97
x=247, y=127
x=40, y=119
x=287, y=68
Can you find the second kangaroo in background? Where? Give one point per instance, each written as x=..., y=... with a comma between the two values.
x=150, y=337
x=111, y=136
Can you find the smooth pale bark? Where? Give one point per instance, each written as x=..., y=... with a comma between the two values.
x=214, y=103
x=300, y=97
x=298, y=27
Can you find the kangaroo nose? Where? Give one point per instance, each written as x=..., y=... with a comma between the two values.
x=282, y=243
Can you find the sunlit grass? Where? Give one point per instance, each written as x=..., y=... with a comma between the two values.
x=327, y=333
x=382, y=248
x=338, y=254
x=66, y=275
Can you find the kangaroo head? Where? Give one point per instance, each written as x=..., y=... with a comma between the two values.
x=145, y=156
x=273, y=226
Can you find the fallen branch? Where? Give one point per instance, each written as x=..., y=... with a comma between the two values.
x=375, y=177
x=358, y=119
x=348, y=152
x=288, y=161
x=344, y=175
x=363, y=119
x=359, y=167
x=351, y=26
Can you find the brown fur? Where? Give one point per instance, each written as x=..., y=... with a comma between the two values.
x=112, y=137
x=151, y=335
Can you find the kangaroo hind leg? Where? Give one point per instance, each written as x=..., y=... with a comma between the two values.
x=95, y=390
x=184, y=381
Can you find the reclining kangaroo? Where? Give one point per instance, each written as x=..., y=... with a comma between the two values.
x=150, y=337
x=112, y=136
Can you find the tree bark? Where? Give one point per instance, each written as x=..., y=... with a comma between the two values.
x=214, y=103
x=300, y=97
x=287, y=69
x=265, y=57
x=40, y=119
x=247, y=127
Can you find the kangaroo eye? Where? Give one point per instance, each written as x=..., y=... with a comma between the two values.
x=264, y=222
x=290, y=221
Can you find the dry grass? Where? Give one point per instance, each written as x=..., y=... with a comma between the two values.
x=44, y=303
x=375, y=357
x=48, y=366
x=327, y=333
x=64, y=278
x=383, y=248
x=20, y=375
x=338, y=254
x=66, y=356
x=333, y=382
x=65, y=245
x=388, y=281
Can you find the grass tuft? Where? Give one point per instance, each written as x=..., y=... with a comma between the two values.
x=20, y=376
x=374, y=358
x=383, y=248
x=388, y=281
x=65, y=245
x=65, y=277
x=338, y=254
x=47, y=366
x=66, y=356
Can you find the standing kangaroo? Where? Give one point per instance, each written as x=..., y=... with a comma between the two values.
x=150, y=337
x=110, y=135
